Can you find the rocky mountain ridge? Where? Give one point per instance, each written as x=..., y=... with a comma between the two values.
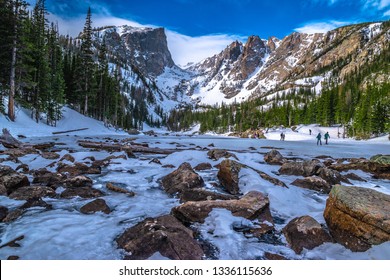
x=255, y=69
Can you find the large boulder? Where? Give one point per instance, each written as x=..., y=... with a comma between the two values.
x=203, y=166
x=313, y=183
x=77, y=169
x=358, y=217
x=375, y=166
x=253, y=205
x=216, y=154
x=228, y=175
x=182, y=179
x=333, y=177
x=165, y=235
x=97, y=205
x=301, y=168
x=305, y=232
x=274, y=157
x=11, y=180
x=29, y=192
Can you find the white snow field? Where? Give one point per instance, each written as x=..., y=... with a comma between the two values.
x=64, y=233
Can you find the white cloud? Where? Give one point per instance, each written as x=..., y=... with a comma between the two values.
x=387, y=14
x=320, y=27
x=185, y=49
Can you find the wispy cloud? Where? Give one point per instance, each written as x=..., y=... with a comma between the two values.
x=321, y=27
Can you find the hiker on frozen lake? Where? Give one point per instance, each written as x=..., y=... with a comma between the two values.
x=326, y=136
x=319, y=138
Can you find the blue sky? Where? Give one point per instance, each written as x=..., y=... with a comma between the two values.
x=212, y=24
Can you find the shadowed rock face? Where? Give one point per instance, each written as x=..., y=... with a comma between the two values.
x=181, y=179
x=228, y=175
x=358, y=217
x=163, y=234
x=305, y=232
x=11, y=180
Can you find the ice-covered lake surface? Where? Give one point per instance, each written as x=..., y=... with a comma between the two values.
x=65, y=233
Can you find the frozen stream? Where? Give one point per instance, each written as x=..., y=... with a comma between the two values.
x=65, y=233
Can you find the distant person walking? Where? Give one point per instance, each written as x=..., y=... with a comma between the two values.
x=282, y=136
x=319, y=138
x=326, y=136
x=310, y=131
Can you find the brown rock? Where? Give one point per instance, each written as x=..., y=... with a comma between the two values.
x=358, y=217
x=13, y=258
x=20, y=152
x=47, y=178
x=313, y=183
x=216, y=154
x=253, y=205
x=84, y=192
x=380, y=170
x=24, y=167
x=168, y=166
x=274, y=257
x=25, y=193
x=181, y=179
x=36, y=202
x=353, y=176
x=68, y=157
x=203, y=166
x=165, y=235
x=201, y=194
x=155, y=160
x=228, y=175
x=98, y=205
x=274, y=157
x=117, y=189
x=303, y=168
x=333, y=177
x=11, y=180
x=305, y=232
x=50, y=155
x=78, y=181
x=78, y=169
x=13, y=215
x=3, y=212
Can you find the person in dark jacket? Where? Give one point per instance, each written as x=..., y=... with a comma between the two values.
x=319, y=138
x=326, y=136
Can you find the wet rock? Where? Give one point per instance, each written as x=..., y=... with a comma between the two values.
x=305, y=232
x=68, y=157
x=358, y=217
x=29, y=192
x=13, y=258
x=77, y=169
x=228, y=175
x=50, y=155
x=13, y=243
x=274, y=257
x=313, y=183
x=24, y=167
x=274, y=157
x=253, y=205
x=11, y=180
x=44, y=146
x=36, y=202
x=201, y=194
x=13, y=215
x=379, y=170
x=203, y=166
x=353, y=176
x=84, y=192
x=98, y=205
x=216, y=154
x=181, y=179
x=168, y=166
x=163, y=234
x=78, y=181
x=20, y=152
x=117, y=189
x=3, y=212
x=333, y=177
x=47, y=178
x=302, y=168
x=155, y=160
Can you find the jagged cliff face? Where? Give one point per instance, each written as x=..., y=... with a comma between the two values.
x=254, y=69
x=299, y=60
x=146, y=48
